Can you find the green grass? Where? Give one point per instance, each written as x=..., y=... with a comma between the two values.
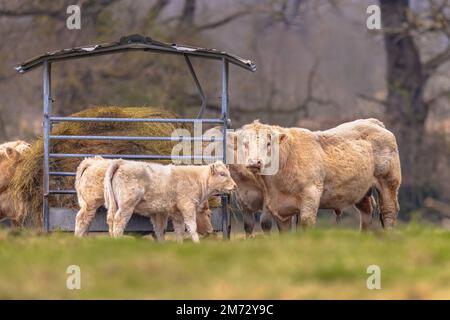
x=324, y=263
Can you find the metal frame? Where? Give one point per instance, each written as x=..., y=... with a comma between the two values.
x=137, y=43
x=226, y=226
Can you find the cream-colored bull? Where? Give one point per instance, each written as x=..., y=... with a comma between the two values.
x=90, y=192
x=153, y=189
x=330, y=169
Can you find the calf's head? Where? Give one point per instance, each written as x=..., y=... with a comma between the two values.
x=19, y=145
x=204, y=226
x=219, y=179
x=9, y=159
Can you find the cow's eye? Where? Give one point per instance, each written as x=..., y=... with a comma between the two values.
x=222, y=174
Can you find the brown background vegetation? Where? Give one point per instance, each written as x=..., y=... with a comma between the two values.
x=318, y=66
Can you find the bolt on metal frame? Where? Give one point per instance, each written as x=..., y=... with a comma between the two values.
x=125, y=43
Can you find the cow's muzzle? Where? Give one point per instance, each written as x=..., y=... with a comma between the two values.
x=254, y=164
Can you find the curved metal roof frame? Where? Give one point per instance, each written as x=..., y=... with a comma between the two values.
x=134, y=43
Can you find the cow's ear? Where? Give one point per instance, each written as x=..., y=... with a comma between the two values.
x=283, y=137
x=11, y=153
x=232, y=139
x=231, y=135
x=213, y=168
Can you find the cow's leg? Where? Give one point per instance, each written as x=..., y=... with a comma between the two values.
x=159, y=222
x=266, y=221
x=121, y=218
x=249, y=223
x=294, y=223
x=338, y=214
x=178, y=226
x=189, y=215
x=284, y=224
x=365, y=208
x=84, y=218
x=16, y=224
x=309, y=205
x=389, y=207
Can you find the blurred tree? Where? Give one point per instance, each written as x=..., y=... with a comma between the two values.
x=187, y=16
x=286, y=38
x=408, y=74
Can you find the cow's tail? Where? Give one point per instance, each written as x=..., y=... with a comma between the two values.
x=110, y=200
x=80, y=170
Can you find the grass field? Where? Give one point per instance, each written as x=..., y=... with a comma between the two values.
x=323, y=263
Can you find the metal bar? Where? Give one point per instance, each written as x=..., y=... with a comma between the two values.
x=199, y=87
x=47, y=105
x=62, y=192
x=226, y=228
x=131, y=156
x=62, y=174
x=158, y=120
x=126, y=138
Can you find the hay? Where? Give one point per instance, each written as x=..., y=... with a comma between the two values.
x=27, y=185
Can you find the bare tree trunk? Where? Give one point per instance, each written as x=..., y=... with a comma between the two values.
x=406, y=109
x=3, y=133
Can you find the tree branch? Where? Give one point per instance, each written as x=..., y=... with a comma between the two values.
x=431, y=65
x=436, y=205
x=31, y=12
x=92, y=6
x=443, y=94
x=157, y=8
x=187, y=17
x=222, y=21
x=372, y=99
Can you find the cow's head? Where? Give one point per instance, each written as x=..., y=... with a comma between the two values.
x=22, y=146
x=204, y=226
x=9, y=159
x=260, y=147
x=19, y=145
x=219, y=180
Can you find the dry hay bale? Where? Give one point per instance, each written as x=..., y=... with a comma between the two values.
x=27, y=184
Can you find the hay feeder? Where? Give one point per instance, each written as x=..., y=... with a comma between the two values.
x=59, y=218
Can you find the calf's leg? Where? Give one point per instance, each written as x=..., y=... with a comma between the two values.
x=121, y=218
x=249, y=223
x=178, y=226
x=365, y=208
x=84, y=218
x=188, y=212
x=266, y=221
x=159, y=222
